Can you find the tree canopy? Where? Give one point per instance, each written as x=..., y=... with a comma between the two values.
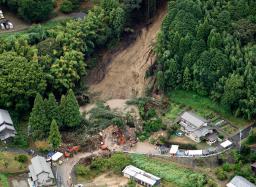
x=208, y=47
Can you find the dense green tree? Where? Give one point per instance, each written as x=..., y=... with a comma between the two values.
x=54, y=136
x=35, y=10
x=67, y=70
x=20, y=81
x=52, y=110
x=215, y=41
x=66, y=6
x=187, y=79
x=69, y=110
x=38, y=122
x=233, y=90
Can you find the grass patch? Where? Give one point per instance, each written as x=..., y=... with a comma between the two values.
x=4, y=180
x=173, y=112
x=8, y=163
x=170, y=172
x=115, y=164
x=204, y=106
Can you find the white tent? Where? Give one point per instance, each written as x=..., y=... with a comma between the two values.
x=226, y=144
x=174, y=149
x=57, y=156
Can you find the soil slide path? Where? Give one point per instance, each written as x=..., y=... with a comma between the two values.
x=124, y=77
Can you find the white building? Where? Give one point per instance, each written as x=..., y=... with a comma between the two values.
x=194, y=126
x=140, y=176
x=239, y=181
x=40, y=172
x=7, y=129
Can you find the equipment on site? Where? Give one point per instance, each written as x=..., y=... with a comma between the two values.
x=4, y=23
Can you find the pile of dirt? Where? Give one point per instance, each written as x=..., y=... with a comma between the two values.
x=125, y=75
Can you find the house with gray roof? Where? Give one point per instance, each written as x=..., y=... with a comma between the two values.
x=194, y=126
x=40, y=172
x=7, y=129
x=239, y=181
x=141, y=177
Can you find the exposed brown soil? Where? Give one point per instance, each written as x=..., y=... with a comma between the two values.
x=124, y=76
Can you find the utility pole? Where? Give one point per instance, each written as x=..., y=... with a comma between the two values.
x=240, y=138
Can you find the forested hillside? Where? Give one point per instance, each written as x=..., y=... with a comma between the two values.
x=210, y=47
x=52, y=59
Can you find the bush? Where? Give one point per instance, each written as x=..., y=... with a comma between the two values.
x=66, y=7
x=153, y=125
x=118, y=122
x=118, y=161
x=211, y=183
x=22, y=158
x=221, y=174
x=81, y=170
x=131, y=183
x=35, y=10
x=99, y=164
x=227, y=167
x=20, y=141
x=42, y=146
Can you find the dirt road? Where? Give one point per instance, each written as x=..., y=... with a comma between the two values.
x=125, y=75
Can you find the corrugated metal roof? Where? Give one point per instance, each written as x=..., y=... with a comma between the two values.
x=226, y=144
x=239, y=181
x=39, y=165
x=5, y=117
x=193, y=119
x=141, y=175
x=201, y=132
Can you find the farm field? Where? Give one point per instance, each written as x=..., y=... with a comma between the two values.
x=170, y=172
x=204, y=106
x=8, y=163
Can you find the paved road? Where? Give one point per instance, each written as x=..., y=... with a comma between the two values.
x=64, y=171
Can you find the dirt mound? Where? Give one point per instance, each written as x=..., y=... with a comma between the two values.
x=124, y=77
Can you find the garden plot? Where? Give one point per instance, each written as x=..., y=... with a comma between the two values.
x=228, y=129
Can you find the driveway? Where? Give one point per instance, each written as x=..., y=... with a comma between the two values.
x=244, y=133
x=64, y=171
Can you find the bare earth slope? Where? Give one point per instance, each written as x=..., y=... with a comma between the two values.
x=125, y=75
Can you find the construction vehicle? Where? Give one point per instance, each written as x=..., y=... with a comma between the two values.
x=70, y=151
x=4, y=23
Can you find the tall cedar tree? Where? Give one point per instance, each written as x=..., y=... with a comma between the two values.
x=52, y=109
x=69, y=109
x=54, y=137
x=38, y=121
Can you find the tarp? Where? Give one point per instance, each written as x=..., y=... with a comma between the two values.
x=226, y=144
x=174, y=149
x=57, y=156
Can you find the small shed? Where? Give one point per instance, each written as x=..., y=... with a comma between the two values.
x=239, y=181
x=226, y=144
x=140, y=176
x=174, y=149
